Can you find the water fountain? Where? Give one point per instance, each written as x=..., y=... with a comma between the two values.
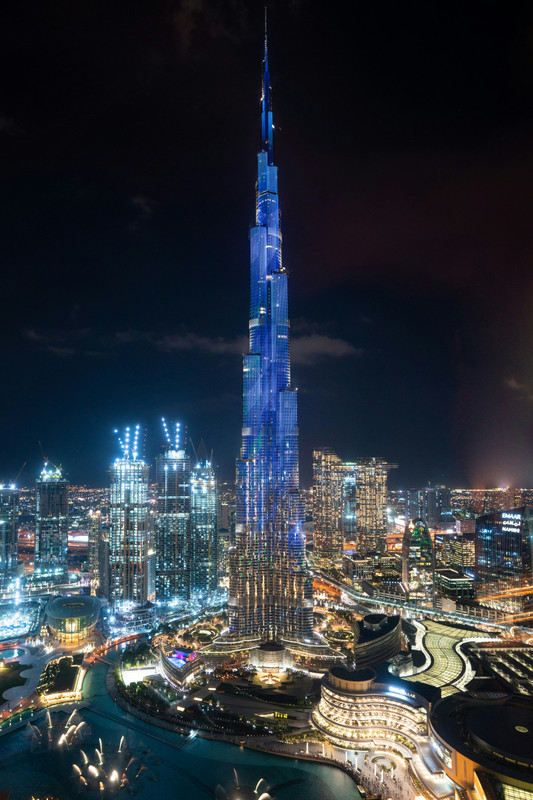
x=239, y=792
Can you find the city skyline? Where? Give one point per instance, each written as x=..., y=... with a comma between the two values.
x=111, y=173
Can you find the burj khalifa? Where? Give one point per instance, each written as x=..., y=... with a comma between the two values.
x=270, y=591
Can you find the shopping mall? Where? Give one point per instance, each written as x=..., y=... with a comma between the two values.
x=484, y=740
x=72, y=619
x=355, y=712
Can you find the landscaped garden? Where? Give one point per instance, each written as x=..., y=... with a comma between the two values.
x=10, y=676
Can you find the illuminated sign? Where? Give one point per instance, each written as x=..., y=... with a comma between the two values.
x=401, y=692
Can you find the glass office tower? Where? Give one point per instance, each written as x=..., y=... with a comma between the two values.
x=131, y=552
x=173, y=524
x=270, y=593
x=204, y=525
x=51, y=524
x=504, y=560
x=9, y=514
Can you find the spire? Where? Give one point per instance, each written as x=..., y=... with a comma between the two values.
x=266, y=41
x=267, y=128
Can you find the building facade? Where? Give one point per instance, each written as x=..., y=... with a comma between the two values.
x=504, y=560
x=418, y=562
x=173, y=524
x=9, y=514
x=204, y=541
x=131, y=546
x=51, y=525
x=98, y=555
x=270, y=591
x=328, y=505
x=432, y=504
x=371, y=504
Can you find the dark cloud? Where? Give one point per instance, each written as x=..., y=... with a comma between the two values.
x=306, y=349
x=143, y=204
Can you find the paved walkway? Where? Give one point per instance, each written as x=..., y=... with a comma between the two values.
x=36, y=663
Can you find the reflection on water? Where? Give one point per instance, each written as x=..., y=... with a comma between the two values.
x=102, y=752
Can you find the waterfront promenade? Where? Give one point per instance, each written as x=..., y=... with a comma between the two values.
x=183, y=765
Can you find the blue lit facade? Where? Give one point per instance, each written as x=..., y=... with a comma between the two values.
x=131, y=541
x=504, y=560
x=173, y=524
x=270, y=591
x=51, y=525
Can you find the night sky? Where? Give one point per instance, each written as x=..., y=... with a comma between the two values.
x=128, y=140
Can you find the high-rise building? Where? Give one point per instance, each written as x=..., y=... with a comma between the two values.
x=98, y=555
x=328, y=505
x=9, y=513
x=418, y=562
x=173, y=523
x=270, y=592
x=349, y=501
x=226, y=527
x=504, y=560
x=131, y=551
x=432, y=504
x=204, y=531
x=371, y=499
x=51, y=524
x=462, y=552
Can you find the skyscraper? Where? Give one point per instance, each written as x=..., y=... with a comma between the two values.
x=204, y=531
x=371, y=498
x=131, y=556
x=328, y=505
x=98, y=555
x=51, y=524
x=173, y=523
x=270, y=593
x=9, y=512
x=432, y=504
x=504, y=560
x=418, y=562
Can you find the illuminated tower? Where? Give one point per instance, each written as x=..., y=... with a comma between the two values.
x=270, y=593
x=328, y=505
x=504, y=562
x=204, y=538
x=173, y=524
x=131, y=554
x=9, y=513
x=371, y=504
x=418, y=562
x=51, y=524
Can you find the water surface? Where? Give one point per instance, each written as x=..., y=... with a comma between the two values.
x=170, y=765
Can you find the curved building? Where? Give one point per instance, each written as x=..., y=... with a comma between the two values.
x=484, y=741
x=355, y=712
x=73, y=618
x=377, y=638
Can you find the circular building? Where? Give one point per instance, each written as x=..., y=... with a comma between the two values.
x=355, y=712
x=484, y=741
x=73, y=618
x=378, y=637
x=270, y=655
